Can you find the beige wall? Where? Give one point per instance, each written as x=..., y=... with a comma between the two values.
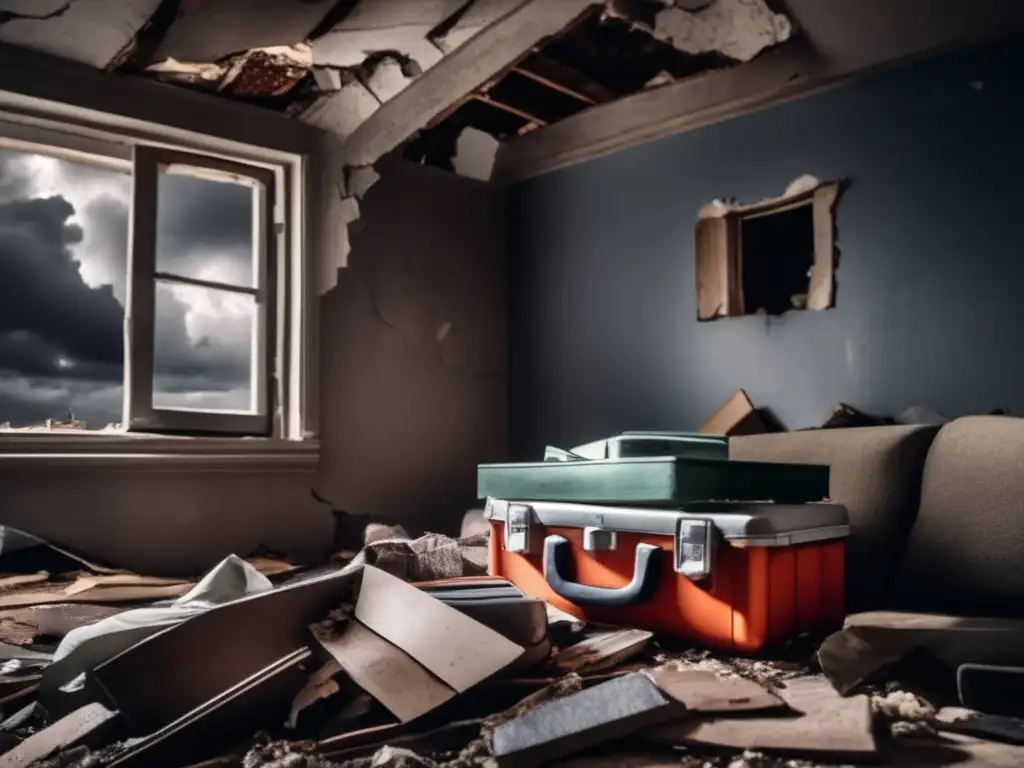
x=404, y=418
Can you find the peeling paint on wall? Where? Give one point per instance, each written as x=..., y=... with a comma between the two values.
x=739, y=29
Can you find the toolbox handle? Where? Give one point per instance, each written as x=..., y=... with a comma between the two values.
x=643, y=586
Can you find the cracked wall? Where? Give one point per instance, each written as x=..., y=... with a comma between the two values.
x=413, y=350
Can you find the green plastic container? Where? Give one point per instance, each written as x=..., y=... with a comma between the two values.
x=634, y=444
x=666, y=481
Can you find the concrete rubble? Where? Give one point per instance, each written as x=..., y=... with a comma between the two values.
x=406, y=654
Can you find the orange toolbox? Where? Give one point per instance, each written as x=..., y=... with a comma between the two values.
x=735, y=576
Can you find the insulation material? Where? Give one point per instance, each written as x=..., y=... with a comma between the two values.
x=375, y=26
x=739, y=29
x=205, y=31
x=92, y=33
x=259, y=72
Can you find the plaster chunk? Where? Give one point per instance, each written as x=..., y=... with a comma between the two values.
x=739, y=29
x=350, y=47
x=342, y=112
x=387, y=80
x=474, y=154
x=92, y=33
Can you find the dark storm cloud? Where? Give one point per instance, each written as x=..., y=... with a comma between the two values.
x=197, y=216
x=61, y=340
x=44, y=293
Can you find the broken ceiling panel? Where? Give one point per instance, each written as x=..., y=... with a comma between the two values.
x=92, y=33
x=739, y=29
x=208, y=31
x=260, y=74
x=478, y=14
x=402, y=27
x=607, y=53
x=344, y=111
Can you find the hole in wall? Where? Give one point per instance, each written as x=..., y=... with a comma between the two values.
x=776, y=256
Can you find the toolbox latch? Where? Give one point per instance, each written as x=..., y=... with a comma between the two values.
x=694, y=547
x=521, y=530
x=599, y=539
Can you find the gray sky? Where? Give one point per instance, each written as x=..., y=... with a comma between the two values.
x=63, y=259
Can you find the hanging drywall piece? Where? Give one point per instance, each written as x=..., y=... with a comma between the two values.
x=739, y=29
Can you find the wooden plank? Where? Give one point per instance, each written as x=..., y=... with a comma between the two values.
x=485, y=55
x=71, y=729
x=509, y=108
x=563, y=78
x=717, y=267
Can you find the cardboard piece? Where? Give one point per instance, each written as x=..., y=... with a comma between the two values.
x=223, y=721
x=449, y=644
x=125, y=588
x=830, y=725
x=92, y=720
x=411, y=651
x=387, y=673
x=181, y=671
x=871, y=640
x=576, y=722
x=736, y=416
x=602, y=650
x=705, y=692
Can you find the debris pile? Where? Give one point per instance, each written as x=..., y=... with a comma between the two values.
x=408, y=655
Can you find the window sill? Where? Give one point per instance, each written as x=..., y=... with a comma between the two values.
x=155, y=453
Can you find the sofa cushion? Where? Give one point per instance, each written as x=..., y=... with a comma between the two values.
x=876, y=473
x=965, y=553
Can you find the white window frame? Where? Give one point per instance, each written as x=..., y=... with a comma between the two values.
x=289, y=368
x=140, y=413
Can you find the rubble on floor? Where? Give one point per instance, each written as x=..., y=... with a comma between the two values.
x=408, y=655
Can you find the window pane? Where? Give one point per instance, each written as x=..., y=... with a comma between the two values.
x=63, y=260
x=204, y=349
x=205, y=228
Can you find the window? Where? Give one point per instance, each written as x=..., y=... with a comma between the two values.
x=144, y=289
x=767, y=257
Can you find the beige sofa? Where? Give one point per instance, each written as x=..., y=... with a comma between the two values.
x=937, y=514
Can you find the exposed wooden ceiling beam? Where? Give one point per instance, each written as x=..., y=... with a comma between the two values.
x=840, y=39
x=509, y=108
x=485, y=55
x=563, y=78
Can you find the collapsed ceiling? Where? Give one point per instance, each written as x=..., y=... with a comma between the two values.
x=334, y=63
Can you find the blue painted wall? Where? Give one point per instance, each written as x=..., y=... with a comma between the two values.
x=930, y=302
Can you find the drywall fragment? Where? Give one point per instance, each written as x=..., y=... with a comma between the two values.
x=92, y=33
x=342, y=112
x=205, y=31
x=327, y=80
x=478, y=15
x=804, y=185
x=400, y=26
x=358, y=180
x=475, y=152
x=739, y=29
x=387, y=79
